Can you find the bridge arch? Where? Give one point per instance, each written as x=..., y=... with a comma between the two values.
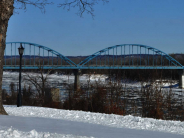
x=33, y=51
x=131, y=56
x=124, y=56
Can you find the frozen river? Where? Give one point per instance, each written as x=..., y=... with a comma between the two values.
x=53, y=79
x=57, y=80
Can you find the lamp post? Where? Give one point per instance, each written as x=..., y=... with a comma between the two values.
x=19, y=96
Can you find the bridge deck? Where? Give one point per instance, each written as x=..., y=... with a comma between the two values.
x=93, y=67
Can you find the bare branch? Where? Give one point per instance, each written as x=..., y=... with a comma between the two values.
x=37, y=3
x=40, y=81
x=83, y=5
x=33, y=81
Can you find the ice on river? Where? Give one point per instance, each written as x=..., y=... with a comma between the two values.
x=9, y=77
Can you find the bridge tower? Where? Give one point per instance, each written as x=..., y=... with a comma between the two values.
x=181, y=79
x=76, y=79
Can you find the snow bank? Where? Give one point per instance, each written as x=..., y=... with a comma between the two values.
x=111, y=120
x=13, y=133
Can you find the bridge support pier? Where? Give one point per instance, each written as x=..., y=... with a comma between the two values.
x=181, y=79
x=76, y=79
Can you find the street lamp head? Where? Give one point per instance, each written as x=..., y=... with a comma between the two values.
x=21, y=49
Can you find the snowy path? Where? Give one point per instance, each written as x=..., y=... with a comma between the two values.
x=39, y=122
x=26, y=124
x=98, y=118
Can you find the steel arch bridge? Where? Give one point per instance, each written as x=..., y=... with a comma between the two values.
x=34, y=56
x=125, y=56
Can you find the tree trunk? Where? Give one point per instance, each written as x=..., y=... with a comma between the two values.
x=6, y=11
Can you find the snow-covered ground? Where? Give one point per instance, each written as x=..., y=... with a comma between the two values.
x=38, y=122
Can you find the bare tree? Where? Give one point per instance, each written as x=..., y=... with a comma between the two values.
x=7, y=8
x=6, y=11
x=40, y=82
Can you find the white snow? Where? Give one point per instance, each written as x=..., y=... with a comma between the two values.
x=41, y=122
x=13, y=133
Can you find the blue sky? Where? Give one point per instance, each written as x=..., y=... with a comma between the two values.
x=156, y=23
